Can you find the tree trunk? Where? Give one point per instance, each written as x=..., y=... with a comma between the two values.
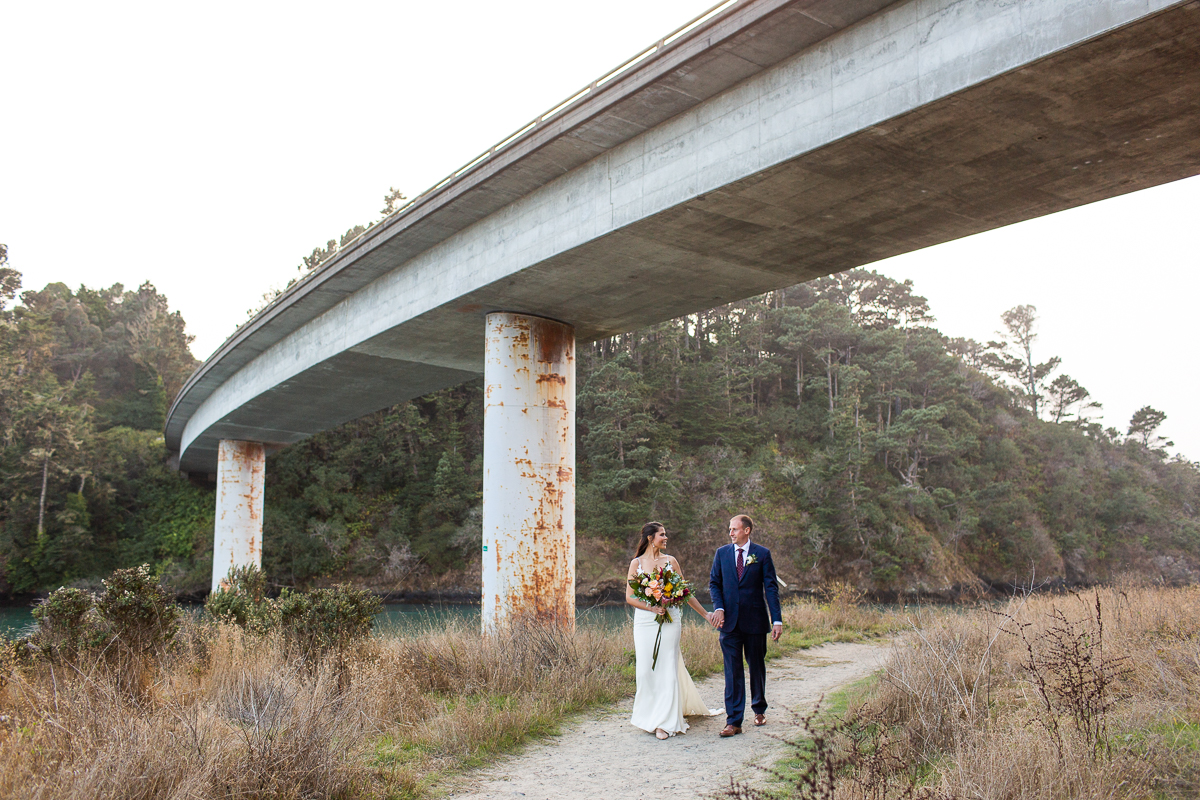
x=1033, y=398
x=829, y=377
x=799, y=378
x=620, y=445
x=42, y=502
x=857, y=429
x=829, y=386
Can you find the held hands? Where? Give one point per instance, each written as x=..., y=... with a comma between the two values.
x=659, y=610
x=717, y=620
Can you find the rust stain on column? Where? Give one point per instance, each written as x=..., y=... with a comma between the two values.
x=237, y=535
x=529, y=468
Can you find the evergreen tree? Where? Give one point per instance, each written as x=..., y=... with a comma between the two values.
x=1143, y=427
x=1012, y=357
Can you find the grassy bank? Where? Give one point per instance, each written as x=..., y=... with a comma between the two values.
x=225, y=713
x=1095, y=695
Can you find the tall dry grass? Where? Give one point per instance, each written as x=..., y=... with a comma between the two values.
x=222, y=713
x=1079, y=696
x=1093, y=695
x=232, y=719
x=837, y=614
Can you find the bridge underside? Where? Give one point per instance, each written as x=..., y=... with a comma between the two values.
x=1109, y=116
x=1044, y=138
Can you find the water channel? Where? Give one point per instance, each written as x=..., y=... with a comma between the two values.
x=395, y=617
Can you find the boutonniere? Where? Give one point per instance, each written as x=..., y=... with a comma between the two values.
x=751, y=560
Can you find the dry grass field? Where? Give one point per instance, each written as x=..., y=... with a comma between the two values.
x=1094, y=695
x=225, y=713
x=1089, y=695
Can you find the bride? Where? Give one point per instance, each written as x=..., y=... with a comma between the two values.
x=665, y=692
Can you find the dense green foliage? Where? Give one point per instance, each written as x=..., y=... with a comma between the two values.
x=136, y=617
x=243, y=599
x=85, y=378
x=326, y=620
x=141, y=613
x=67, y=625
x=133, y=617
x=317, y=622
x=869, y=447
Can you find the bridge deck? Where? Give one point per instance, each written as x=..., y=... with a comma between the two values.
x=772, y=145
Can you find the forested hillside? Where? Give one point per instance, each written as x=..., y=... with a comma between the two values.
x=85, y=381
x=872, y=448
x=868, y=446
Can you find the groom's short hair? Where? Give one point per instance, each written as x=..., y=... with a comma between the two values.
x=747, y=523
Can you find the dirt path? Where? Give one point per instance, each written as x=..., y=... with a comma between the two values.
x=605, y=756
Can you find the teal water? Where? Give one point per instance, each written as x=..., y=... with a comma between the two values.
x=395, y=617
x=14, y=619
x=407, y=618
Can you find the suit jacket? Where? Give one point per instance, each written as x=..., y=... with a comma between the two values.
x=748, y=601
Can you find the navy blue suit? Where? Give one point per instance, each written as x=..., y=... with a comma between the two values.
x=750, y=605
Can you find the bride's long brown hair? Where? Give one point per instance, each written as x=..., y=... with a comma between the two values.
x=649, y=530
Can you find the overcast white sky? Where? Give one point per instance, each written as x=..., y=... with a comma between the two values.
x=208, y=147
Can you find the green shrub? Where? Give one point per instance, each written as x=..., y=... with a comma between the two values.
x=327, y=620
x=63, y=609
x=67, y=625
x=140, y=614
x=242, y=600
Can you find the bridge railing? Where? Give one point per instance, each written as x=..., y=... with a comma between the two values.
x=538, y=122
x=661, y=47
x=534, y=125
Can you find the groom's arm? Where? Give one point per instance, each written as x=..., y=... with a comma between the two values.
x=714, y=591
x=771, y=587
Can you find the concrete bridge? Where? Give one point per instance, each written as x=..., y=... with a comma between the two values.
x=766, y=143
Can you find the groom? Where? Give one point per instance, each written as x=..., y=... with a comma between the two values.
x=743, y=587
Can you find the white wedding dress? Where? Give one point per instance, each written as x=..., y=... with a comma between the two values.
x=665, y=694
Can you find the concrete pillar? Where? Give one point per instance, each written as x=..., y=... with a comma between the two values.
x=528, y=471
x=241, y=467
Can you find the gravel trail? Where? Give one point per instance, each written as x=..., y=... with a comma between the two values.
x=604, y=756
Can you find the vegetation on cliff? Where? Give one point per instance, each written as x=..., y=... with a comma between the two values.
x=869, y=447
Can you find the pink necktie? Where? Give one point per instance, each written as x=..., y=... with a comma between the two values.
x=741, y=566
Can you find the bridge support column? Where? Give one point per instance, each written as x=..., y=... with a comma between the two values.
x=241, y=467
x=528, y=471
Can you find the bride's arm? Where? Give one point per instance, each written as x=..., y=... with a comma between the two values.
x=691, y=601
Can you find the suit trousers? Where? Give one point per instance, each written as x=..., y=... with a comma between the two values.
x=753, y=646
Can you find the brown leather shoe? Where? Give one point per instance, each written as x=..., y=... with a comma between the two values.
x=760, y=720
x=730, y=730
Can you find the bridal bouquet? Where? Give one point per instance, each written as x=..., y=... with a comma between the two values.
x=663, y=587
